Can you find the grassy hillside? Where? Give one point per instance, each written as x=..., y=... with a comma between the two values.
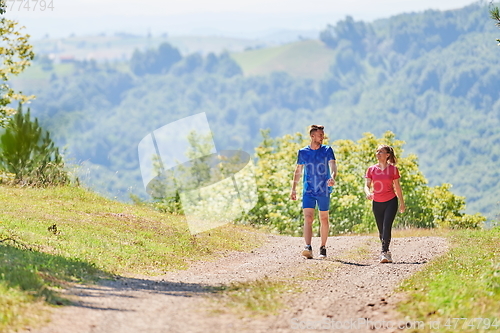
x=53, y=237
x=120, y=47
x=307, y=59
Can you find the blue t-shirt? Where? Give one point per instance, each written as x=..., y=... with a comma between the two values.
x=316, y=170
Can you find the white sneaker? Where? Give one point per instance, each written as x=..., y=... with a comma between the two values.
x=385, y=257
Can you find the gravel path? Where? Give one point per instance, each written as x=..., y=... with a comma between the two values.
x=350, y=287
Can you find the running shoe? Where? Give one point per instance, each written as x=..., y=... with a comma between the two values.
x=322, y=252
x=308, y=252
x=385, y=257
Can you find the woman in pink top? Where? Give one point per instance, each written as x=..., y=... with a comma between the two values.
x=382, y=186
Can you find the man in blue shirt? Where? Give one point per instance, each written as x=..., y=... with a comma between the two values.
x=320, y=170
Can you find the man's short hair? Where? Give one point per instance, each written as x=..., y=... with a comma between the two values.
x=314, y=128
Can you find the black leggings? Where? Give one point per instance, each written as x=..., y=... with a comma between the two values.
x=385, y=212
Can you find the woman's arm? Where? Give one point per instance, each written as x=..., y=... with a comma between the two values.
x=399, y=193
x=368, y=186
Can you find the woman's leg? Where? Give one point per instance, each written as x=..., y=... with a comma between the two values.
x=378, y=209
x=390, y=212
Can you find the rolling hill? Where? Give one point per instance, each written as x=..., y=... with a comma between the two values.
x=431, y=77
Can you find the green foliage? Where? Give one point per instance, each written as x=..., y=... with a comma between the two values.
x=446, y=210
x=154, y=61
x=167, y=58
x=463, y=283
x=212, y=188
x=27, y=151
x=348, y=31
x=427, y=207
x=275, y=161
x=45, y=62
x=495, y=15
x=15, y=55
x=222, y=65
x=165, y=189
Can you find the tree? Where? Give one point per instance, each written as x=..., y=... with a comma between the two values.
x=15, y=55
x=154, y=61
x=188, y=65
x=27, y=151
x=495, y=15
x=167, y=56
x=166, y=187
x=427, y=207
x=347, y=30
x=45, y=62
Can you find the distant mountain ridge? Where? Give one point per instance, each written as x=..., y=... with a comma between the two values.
x=433, y=78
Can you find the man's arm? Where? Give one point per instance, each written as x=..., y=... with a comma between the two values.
x=296, y=178
x=333, y=172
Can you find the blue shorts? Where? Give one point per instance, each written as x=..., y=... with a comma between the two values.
x=309, y=201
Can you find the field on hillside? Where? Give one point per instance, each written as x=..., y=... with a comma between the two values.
x=309, y=59
x=121, y=46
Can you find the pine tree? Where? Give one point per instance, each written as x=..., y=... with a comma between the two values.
x=27, y=151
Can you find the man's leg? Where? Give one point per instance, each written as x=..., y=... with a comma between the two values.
x=325, y=227
x=324, y=208
x=308, y=221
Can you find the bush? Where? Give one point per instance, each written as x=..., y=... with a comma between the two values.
x=426, y=207
x=28, y=152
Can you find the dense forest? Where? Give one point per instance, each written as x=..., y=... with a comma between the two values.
x=433, y=78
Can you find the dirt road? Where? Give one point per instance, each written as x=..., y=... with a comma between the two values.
x=348, y=292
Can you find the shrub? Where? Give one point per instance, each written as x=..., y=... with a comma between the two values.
x=28, y=152
x=426, y=207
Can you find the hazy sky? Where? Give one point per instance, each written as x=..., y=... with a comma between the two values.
x=224, y=17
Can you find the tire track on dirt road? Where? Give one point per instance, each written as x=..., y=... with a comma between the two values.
x=351, y=286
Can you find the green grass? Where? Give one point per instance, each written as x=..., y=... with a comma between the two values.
x=463, y=283
x=261, y=297
x=34, y=76
x=93, y=238
x=306, y=59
